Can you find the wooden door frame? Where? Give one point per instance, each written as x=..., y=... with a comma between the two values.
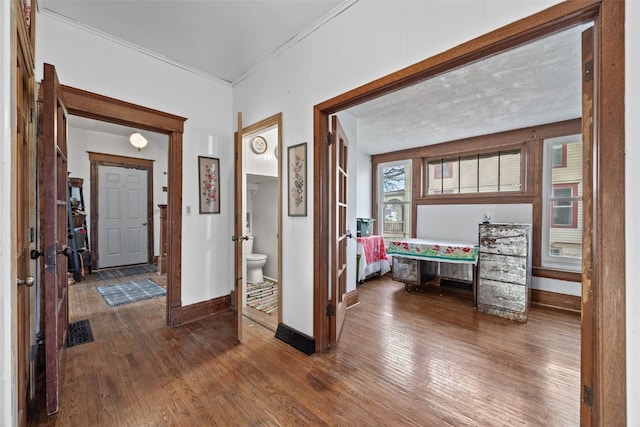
x=607, y=354
x=98, y=107
x=275, y=120
x=101, y=159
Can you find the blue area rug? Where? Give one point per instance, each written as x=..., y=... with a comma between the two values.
x=130, y=292
x=124, y=271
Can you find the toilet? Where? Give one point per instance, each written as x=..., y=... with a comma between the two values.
x=255, y=262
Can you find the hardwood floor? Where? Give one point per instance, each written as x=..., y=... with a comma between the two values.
x=418, y=358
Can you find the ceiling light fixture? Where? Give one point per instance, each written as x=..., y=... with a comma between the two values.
x=137, y=140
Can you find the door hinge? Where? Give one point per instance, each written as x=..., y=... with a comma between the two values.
x=587, y=396
x=588, y=71
x=331, y=310
x=329, y=138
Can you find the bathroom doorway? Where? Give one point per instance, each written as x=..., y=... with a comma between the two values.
x=262, y=213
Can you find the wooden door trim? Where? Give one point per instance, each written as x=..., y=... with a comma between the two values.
x=275, y=120
x=608, y=355
x=102, y=159
x=91, y=105
x=238, y=226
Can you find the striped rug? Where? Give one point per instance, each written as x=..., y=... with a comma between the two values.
x=263, y=296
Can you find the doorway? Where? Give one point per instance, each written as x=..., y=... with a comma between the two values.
x=261, y=213
x=90, y=105
x=603, y=341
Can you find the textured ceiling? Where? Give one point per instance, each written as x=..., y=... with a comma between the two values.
x=530, y=85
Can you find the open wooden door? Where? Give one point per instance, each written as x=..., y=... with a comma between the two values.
x=339, y=225
x=53, y=190
x=25, y=211
x=238, y=238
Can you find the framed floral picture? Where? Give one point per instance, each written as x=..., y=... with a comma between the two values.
x=297, y=189
x=209, y=184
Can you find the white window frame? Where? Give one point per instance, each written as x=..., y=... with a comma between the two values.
x=549, y=261
x=379, y=225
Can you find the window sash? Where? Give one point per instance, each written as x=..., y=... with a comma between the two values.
x=491, y=172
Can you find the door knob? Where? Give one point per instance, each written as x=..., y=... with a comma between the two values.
x=66, y=251
x=144, y=224
x=34, y=254
x=29, y=281
x=239, y=239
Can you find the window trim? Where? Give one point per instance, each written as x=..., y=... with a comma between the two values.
x=545, y=260
x=377, y=196
x=478, y=149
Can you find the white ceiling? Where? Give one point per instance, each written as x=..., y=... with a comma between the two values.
x=222, y=38
x=227, y=40
x=531, y=85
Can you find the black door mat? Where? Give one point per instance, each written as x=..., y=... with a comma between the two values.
x=125, y=271
x=79, y=333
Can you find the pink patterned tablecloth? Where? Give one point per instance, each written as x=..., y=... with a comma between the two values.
x=435, y=250
x=373, y=256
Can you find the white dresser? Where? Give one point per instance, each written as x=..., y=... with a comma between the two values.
x=504, y=270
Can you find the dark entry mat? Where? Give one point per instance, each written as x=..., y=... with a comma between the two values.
x=125, y=271
x=79, y=333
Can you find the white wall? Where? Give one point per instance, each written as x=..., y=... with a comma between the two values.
x=87, y=61
x=632, y=200
x=81, y=141
x=265, y=225
x=459, y=223
x=265, y=163
x=363, y=182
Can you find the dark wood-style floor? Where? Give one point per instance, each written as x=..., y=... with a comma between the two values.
x=418, y=358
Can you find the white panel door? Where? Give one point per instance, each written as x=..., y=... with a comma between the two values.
x=122, y=221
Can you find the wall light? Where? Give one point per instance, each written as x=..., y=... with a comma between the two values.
x=138, y=141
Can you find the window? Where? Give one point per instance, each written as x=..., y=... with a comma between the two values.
x=395, y=198
x=564, y=206
x=443, y=170
x=499, y=171
x=562, y=203
x=559, y=155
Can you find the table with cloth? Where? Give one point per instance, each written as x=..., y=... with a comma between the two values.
x=439, y=251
